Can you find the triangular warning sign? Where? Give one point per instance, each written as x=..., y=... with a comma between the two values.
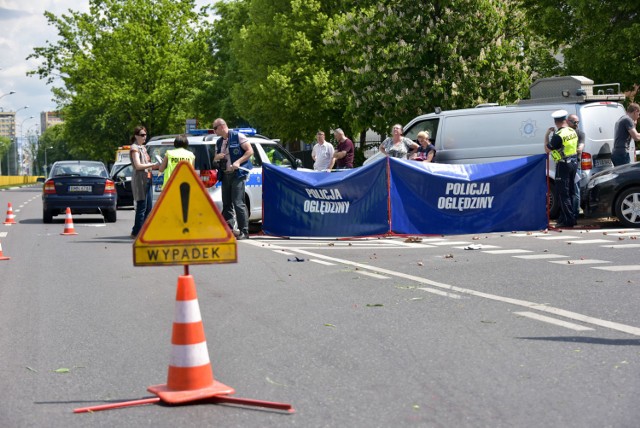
x=184, y=226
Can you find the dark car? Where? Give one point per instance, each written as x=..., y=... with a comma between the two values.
x=83, y=186
x=616, y=193
x=121, y=176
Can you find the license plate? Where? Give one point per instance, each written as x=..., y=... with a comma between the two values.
x=80, y=188
x=599, y=163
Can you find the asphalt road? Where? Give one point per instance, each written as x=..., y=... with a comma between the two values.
x=489, y=330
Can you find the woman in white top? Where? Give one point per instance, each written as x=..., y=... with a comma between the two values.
x=398, y=146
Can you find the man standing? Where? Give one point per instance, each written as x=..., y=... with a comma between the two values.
x=563, y=148
x=344, y=152
x=322, y=154
x=233, y=153
x=624, y=131
x=573, y=122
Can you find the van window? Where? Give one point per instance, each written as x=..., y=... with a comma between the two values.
x=430, y=126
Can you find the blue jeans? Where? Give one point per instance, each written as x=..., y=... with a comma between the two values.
x=143, y=208
x=233, y=202
x=619, y=157
x=576, y=197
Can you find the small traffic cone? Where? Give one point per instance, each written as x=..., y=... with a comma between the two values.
x=190, y=376
x=3, y=257
x=11, y=219
x=68, y=224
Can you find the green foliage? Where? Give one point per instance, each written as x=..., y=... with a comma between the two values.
x=122, y=64
x=403, y=58
x=57, y=147
x=598, y=39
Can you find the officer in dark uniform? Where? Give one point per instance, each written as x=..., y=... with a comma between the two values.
x=563, y=147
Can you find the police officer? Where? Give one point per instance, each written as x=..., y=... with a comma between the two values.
x=233, y=153
x=173, y=157
x=563, y=147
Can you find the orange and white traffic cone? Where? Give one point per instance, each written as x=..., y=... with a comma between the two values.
x=190, y=375
x=68, y=224
x=11, y=219
x=2, y=256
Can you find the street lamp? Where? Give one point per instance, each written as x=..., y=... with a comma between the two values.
x=46, y=165
x=10, y=93
x=15, y=154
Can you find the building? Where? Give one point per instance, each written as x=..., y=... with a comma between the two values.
x=8, y=124
x=48, y=119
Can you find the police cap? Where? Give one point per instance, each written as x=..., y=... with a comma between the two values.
x=559, y=114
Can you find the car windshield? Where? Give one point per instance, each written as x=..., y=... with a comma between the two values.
x=79, y=170
x=277, y=155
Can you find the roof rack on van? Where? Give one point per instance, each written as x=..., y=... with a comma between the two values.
x=571, y=89
x=487, y=105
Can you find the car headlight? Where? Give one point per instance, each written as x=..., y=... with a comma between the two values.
x=601, y=179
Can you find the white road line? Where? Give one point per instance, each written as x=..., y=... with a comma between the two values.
x=515, y=251
x=591, y=241
x=621, y=246
x=371, y=274
x=3, y=234
x=440, y=292
x=482, y=247
x=442, y=244
x=609, y=231
x=623, y=268
x=635, y=331
x=579, y=262
x=284, y=252
x=553, y=238
x=550, y=320
x=540, y=256
x=529, y=234
x=322, y=262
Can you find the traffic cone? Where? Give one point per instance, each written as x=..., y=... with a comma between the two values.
x=3, y=257
x=190, y=376
x=68, y=224
x=11, y=219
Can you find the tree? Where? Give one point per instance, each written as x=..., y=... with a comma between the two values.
x=598, y=39
x=122, y=64
x=5, y=144
x=54, y=142
x=284, y=80
x=404, y=58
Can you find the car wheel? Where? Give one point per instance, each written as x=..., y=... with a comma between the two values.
x=47, y=217
x=554, y=208
x=627, y=207
x=110, y=216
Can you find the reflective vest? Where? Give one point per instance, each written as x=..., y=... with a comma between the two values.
x=569, y=144
x=235, y=152
x=173, y=158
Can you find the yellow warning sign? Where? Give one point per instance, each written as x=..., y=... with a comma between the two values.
x=184, y=227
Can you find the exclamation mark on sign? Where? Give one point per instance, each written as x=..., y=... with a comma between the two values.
x=185, y=189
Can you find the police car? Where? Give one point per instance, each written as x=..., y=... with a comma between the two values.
x=203, y=144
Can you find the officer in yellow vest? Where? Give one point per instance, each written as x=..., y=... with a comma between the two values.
x=563, y=147
x=173, y=157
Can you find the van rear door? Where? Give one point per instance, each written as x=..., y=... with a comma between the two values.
x=597, y=121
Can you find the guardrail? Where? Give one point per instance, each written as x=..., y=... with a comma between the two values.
x=10, y=180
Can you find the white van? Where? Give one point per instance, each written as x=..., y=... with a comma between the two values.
x=491, y=133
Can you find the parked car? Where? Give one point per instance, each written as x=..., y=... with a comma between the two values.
x=121, y=175
x=265, y=150
x=82, y=186
x=616, y=193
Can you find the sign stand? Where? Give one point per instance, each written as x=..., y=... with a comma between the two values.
x=182, y=229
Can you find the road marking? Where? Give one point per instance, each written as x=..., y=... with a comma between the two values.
x=322, y=262
x=579, y=262
x=515, y=251
x=482, y=247
x=552, y=238
x=371, y=274
x=540, y=256
x=442, y=244
x=440, y=292
x=528, y=234
x=622, y=268
x=283, y=252
x=621, y=246
x=590, y=241
x=3, y=234
x=635, y=331
x=550, y=320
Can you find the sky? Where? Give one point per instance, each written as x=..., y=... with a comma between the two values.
x=23, y=28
